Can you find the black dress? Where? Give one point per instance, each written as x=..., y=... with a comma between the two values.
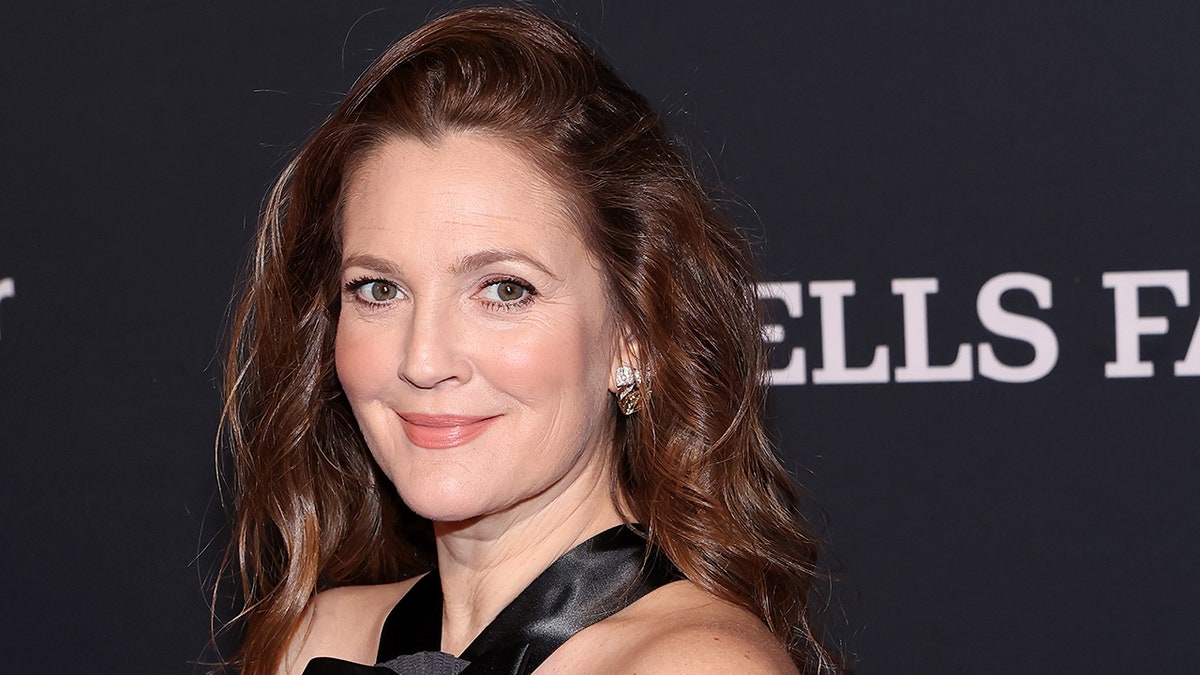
x=590, y=582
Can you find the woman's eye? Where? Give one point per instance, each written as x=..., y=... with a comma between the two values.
x=505, y=290
x=378, y=291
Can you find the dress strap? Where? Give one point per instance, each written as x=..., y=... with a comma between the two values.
x=589, y=583
x=415, y=623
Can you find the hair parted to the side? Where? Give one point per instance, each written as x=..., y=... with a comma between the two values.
x=694, y=465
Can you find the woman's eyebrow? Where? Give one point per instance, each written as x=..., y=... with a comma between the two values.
x=371, y=262
x=493, y=255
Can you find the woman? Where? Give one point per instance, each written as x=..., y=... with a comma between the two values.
x=495, y=329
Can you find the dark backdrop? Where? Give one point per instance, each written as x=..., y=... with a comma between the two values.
x=1036, y=514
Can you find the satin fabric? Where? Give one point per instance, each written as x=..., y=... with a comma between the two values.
x=589, y=583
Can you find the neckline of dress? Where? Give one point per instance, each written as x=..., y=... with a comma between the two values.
x=588, y=583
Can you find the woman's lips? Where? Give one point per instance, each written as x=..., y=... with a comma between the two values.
x=436, y=432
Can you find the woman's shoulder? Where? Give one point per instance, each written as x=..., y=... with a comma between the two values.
x=344, y=623
x=678, y=628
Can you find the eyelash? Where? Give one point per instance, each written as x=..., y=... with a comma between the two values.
x=354, y=286
x=530, y=293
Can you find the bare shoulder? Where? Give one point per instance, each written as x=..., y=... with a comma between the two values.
x=343, y=623
x=678, y=628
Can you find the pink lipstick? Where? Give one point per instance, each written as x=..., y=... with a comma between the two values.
x=437, y=432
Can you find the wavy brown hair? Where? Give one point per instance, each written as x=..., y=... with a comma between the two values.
x=694, y=466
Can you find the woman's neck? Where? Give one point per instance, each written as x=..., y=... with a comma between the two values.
x=488, y=561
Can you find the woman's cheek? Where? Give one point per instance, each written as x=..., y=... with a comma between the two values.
x=537, y=359
x=360, y=363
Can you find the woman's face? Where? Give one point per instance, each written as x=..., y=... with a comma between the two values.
x=475, y=342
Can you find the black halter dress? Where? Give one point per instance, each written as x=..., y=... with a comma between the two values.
x=589, y=583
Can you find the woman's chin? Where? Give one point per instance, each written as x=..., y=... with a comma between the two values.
x=446, y=505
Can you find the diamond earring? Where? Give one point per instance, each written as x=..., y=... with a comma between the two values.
x=629, y=389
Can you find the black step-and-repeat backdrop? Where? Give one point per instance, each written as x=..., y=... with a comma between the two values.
x=978, y=223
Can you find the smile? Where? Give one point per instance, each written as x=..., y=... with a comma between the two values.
x=436, y=432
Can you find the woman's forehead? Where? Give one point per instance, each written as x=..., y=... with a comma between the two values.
x=460, y=195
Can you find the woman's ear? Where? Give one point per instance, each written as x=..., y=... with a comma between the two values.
x=628, y=381
x=625, y=353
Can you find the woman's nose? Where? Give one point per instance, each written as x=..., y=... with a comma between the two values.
x=432, y=354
